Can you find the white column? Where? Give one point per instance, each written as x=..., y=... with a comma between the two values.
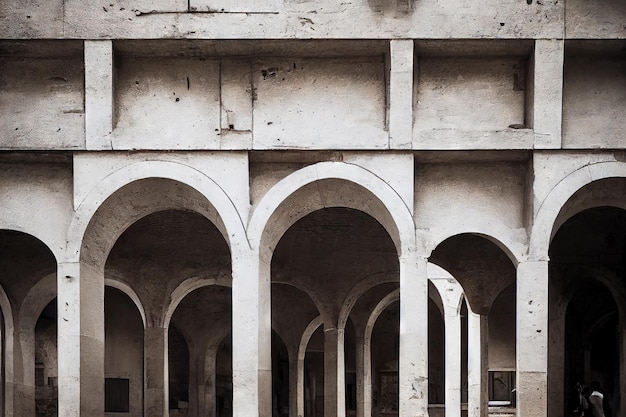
x=252, y=372
x=451, y=294
x=547, y=93
x=532, y=339
x=477, y=372
x=453, y=365
x=413, y=363
x=80, y=340
x=401, y=94
x=98, y=94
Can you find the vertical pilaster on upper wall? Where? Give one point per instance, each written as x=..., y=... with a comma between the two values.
x=401, y=93
x=98, y=94
x=547, y=99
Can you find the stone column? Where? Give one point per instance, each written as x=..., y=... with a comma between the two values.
x=209, y=406
x=196, y=379
x=360, y=375
x=413, y=363
x=252, y=335
x=80, y=340
x=477, y=365
x=98, y=94
x=547, y=93
x=556, y=355
x=25, y=383
x=621, y=367
x=453, y=364
x=332, y=389
x=155, y=366
x=401, y=94
x=451, y=294
x=9, y=352
x=532, y=338
x=294, y=389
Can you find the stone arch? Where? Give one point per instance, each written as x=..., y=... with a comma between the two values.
x=361, y=288
x=324, y=312
x=499, y=234
x=304, y=342
x=130, y=293
x=184, y=289
x=463, y=255
x=36, y=233
x=387, y=206
x=437, y=272
x=551, y=207
x=606, y=278
x=367, y=353
x=226, y=216
x=35, y=301
x=15, y=367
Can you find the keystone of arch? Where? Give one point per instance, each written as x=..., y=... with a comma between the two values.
x=552, y=205
x=184, y=174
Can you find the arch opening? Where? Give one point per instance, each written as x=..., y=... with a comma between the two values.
x=329, y=252
x=587, y=265
x=200, y=354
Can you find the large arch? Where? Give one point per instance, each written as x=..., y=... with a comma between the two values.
x=100, y=219
x=229, y=221
x=334, y=185
x=505, y=238
x=399, y=223
x=550, y=208
x=585, y=276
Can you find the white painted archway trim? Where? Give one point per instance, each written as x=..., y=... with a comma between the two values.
x=278, y=194
x=552, y=205
x=236, y=237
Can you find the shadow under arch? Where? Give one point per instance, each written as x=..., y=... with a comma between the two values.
x=480, y=266
x=587, y=292
x=330, y=184
x=26, y=262
x=550, y=209
x=221, y=210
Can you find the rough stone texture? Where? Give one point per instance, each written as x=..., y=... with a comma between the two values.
x=265, y=188
x=594, y=102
